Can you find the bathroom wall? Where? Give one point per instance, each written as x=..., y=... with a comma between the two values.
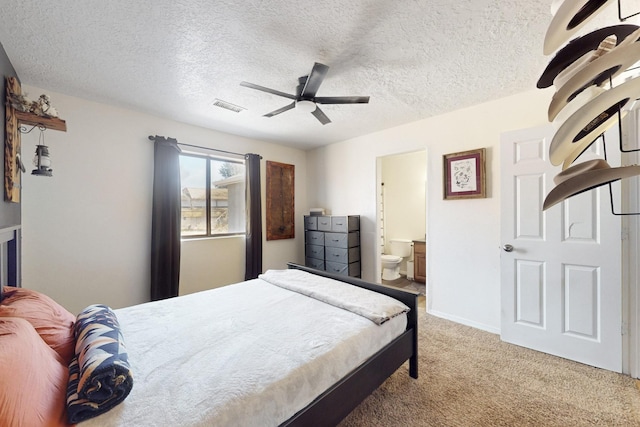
x=404, y=197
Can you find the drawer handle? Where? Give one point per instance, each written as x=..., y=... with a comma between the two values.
x=335, y=240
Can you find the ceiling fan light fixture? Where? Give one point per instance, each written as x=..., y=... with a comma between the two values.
x=306, y=106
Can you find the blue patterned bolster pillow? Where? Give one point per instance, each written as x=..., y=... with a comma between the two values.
x=99, y=374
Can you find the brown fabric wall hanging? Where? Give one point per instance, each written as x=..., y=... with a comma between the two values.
x=280, y=201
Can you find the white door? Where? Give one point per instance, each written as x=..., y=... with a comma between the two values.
x=561, y=282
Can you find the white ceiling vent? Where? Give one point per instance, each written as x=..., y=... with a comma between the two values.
x=227, y=105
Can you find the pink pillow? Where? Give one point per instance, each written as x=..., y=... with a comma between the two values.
x=34, y=378
x=52, y=321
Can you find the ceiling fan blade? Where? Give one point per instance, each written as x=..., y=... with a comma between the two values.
x=301, y=82
x=266, y=89
x=341, y=99
x=321, y=116
x=317, y=75
x=281, y=110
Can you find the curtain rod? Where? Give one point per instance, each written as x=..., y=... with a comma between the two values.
x=153, y=138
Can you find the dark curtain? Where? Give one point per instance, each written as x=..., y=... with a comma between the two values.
x=254, y=217
x=165, y=222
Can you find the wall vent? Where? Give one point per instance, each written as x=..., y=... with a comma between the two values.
x=227, y=105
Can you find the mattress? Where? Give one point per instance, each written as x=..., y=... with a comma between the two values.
x=249, y=354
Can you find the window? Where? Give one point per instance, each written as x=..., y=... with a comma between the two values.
x=213, y=196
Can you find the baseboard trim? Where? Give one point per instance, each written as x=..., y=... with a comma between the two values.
x=464, y=321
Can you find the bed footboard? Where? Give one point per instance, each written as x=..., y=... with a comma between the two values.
x=338, y=401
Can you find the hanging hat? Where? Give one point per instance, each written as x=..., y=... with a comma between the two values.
x=571, y=16
x=590, y=121
x=587, y=94
x=585, y=176
x=595, y=73
x=580, y=100
x=565, y=75
x=579, y=47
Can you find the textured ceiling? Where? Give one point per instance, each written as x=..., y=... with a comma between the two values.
x=173, y=58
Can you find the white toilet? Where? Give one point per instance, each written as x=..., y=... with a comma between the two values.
x=400, y=248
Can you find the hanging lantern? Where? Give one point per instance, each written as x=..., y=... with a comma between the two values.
x=42, y=161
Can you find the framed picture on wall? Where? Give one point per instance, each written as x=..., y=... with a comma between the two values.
x=464, y=175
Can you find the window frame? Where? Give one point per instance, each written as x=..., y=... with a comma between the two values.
x=208, y=161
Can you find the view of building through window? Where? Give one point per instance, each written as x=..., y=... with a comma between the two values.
x=223, y=212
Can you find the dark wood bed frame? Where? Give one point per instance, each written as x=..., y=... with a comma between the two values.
x=337, y=402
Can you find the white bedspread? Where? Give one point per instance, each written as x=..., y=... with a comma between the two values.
x=250, y=354
x=378, y=308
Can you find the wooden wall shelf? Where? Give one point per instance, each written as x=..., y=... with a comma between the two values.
x=31, y=119
x=13, y=119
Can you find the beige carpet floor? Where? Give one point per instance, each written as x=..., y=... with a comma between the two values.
x=468, y=377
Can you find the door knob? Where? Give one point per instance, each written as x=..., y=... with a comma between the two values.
x=507, y=248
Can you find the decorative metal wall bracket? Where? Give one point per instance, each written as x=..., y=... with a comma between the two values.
x=23, y=129
x=613, y=211
x=619, y=113
x=610, y=184
x=624, y=18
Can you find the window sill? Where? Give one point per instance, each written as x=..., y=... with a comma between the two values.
x=198, y=238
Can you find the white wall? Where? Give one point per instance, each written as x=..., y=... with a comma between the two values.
x=463, y=236
x=86, y=230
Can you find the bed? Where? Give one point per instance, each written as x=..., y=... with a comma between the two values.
x=310, y=367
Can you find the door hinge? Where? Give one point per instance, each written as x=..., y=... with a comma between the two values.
x=624, y=328
x=624, y=233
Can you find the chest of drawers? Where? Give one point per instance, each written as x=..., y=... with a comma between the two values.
x=332, y=243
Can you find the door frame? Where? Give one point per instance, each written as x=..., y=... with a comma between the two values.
x=631, y=291
x=631, y=251
x=379, y=203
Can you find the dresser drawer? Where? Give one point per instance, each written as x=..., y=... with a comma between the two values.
x=342, y=255
x=344, y=224
x=324, y=223
x=342, y=240
x=310, y=222
x=314, y=238
x=314, y=251
x=318, y=264
x=352, y=269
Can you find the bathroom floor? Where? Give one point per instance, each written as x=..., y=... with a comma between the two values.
x=405, y=283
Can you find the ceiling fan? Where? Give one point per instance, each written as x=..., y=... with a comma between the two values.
x=305, y=97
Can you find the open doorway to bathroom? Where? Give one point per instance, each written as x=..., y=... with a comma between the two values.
x=401, y=219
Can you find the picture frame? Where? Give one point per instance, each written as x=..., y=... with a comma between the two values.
x=464, y=175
